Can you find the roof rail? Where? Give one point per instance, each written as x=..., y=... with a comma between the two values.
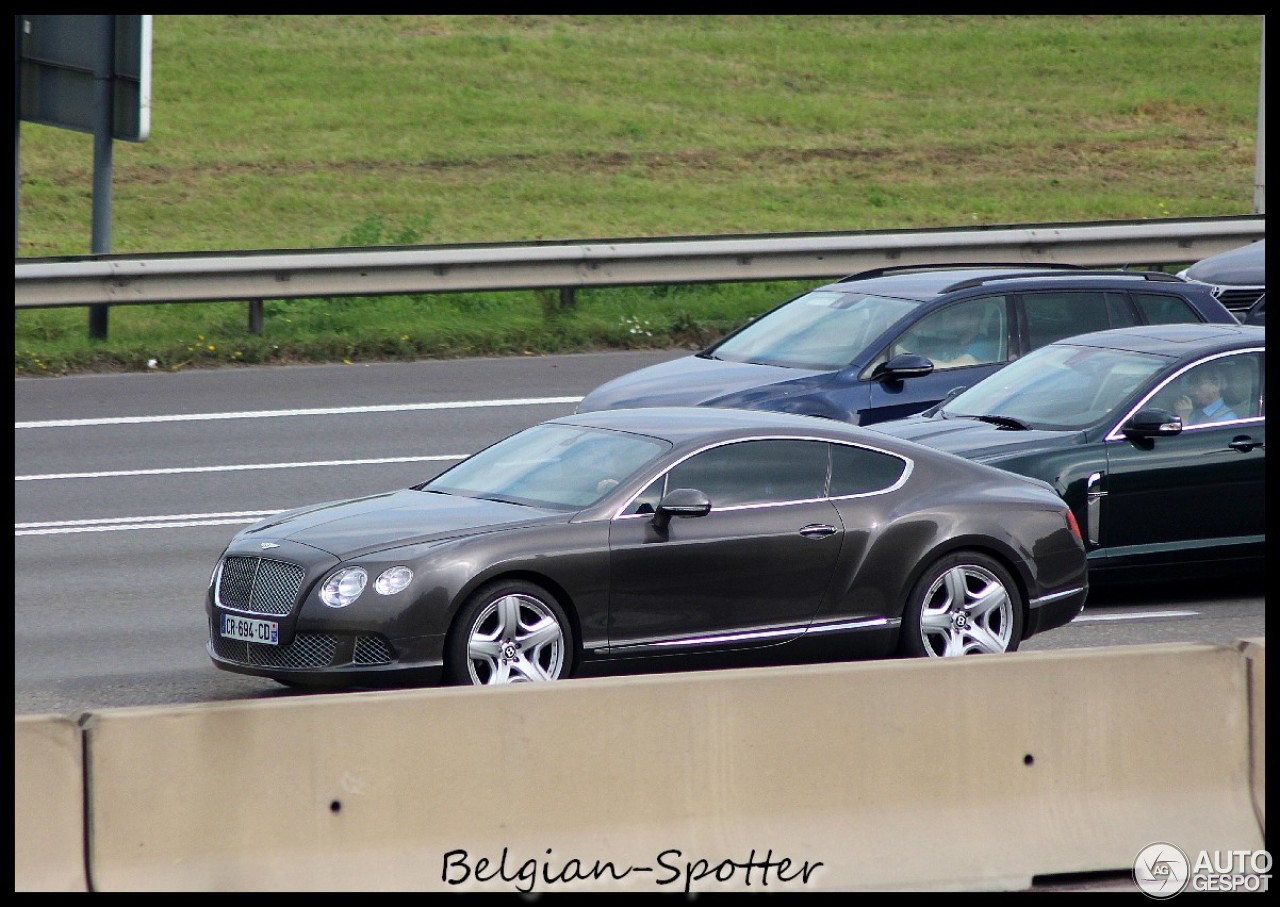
x=1083, y=272
x=949, y=266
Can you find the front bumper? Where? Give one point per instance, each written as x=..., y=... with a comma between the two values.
x=331, y=659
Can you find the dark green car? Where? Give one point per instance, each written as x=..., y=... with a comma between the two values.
x=1153, y=435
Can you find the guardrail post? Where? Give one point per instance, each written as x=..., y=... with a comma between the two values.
x=566, y=298
x=255, y=316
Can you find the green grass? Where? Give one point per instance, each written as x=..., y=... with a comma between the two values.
x=277, y=132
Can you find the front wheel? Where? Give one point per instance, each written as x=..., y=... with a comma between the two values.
x=964, y=604
x=510, y=631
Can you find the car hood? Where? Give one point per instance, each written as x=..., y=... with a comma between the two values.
x=972, y=439
x=694, y=380
x=405, y=517
x=1243, y=267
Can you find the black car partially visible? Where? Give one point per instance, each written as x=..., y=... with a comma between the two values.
x=1155, y=436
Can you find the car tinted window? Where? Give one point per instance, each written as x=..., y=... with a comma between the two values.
x=647, y=500
x=1244, y=388
x=857, y=470
x=1220, y=389
x=1054, y=315
x=1160, y=308
x=973, y=332
x=822, y=330
x=1120, y=312
x=756, y=472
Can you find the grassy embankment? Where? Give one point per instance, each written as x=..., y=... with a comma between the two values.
x=288, y=132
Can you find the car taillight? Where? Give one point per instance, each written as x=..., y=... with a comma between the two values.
x=1075, y=527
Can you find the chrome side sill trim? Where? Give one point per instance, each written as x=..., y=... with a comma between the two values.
x=1054, y=596
x=749, y=635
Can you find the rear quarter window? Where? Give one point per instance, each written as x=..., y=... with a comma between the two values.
x=1161, y=308
x=858, y=470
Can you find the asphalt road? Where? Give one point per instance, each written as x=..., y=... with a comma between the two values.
x=127, y=487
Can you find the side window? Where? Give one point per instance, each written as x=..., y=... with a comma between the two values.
x=1158, y=308
x=647, y=500
x=1219, y=390
x=973, y=332
x=1120, y=313
x=756, y=472
x=1052, y=316
x=857, y=470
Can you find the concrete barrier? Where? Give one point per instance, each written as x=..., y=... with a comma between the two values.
x=48, y=804
x=977, y=773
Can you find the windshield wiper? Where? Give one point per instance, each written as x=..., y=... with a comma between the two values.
x=1005, y=422
x=501, y=500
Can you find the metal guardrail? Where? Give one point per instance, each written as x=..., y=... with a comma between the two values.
x=250, y=276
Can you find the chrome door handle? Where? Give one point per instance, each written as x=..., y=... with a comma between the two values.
x=1093, y=508
x=817, y=531
x=1244, y=444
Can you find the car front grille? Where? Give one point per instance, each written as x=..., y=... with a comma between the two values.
x=308, y=650
x=372, y=650
x=1237, y=299
x=259, y=585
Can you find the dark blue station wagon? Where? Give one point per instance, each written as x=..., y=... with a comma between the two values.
x=892, y=342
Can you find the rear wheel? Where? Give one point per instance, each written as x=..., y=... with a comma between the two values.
x=510, y=631
x=965, y=604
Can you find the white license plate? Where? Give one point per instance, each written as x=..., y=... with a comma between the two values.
x=266, y=632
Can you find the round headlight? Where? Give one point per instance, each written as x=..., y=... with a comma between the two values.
x=393, y=580
x=343, y=587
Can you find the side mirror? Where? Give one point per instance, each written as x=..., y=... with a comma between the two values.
x=1153, y=423
x=681, y=502
x=904, y=365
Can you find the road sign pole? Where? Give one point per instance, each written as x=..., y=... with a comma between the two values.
x=104, y=122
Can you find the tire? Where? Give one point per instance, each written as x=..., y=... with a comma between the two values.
x=965, y=604
x=509, y=631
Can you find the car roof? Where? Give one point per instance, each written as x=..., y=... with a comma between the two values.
x=916, y=284
x=678, y=424
x=925, y=282
x=1173, y=339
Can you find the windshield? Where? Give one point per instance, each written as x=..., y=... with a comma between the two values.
x=563, y=467
x=1058, y=387
x=822, y=330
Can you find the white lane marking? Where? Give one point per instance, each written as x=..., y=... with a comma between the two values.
x=1140, y=616
x=119, y=528
x=186, y=469
x=253, y=514
x=118, y=524
x=277, y=413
